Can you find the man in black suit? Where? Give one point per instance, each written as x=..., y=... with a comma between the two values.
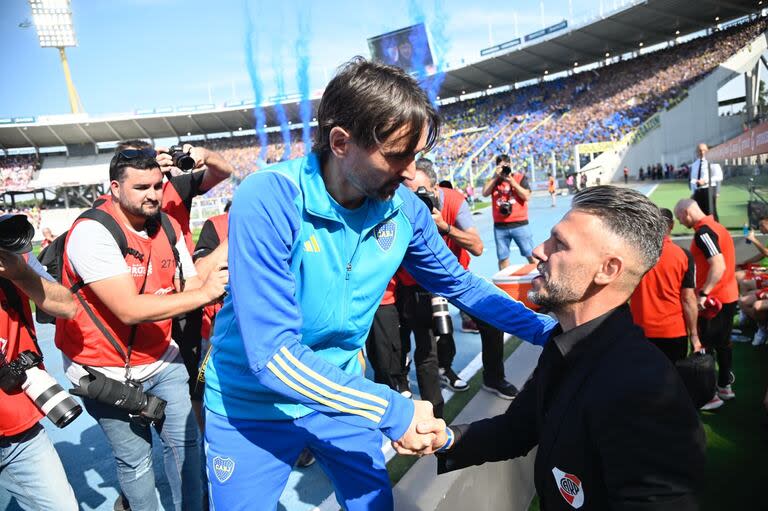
x=613, y=423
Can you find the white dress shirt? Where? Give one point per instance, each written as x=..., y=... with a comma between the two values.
x=706, y=168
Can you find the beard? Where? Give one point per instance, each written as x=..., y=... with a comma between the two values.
x=552, y=295
x=147, y=209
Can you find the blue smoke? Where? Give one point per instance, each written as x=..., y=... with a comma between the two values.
x=302, y=77
x=251, y=50
x=418, y=40
x=440, y=46
x=429, y=71
x=278, y=63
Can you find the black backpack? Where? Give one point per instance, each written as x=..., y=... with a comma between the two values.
x=52, y=256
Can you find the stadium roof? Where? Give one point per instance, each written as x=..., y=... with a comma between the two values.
x=643, y=21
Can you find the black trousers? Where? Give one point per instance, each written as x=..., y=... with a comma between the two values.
x=415, y=307
x=675, y=348
x=701, y=196
x=384, y=348
x=492, y=341
x=715, y=334
x=186, y=332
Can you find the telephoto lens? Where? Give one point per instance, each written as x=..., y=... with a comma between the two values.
x=441, y=318
x=127, y=395
x=50, y=397
x=24, y=373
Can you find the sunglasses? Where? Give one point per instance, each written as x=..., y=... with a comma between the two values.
x=132, y=154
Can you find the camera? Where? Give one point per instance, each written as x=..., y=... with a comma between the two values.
x=427, y=197
x=181, y=160
x=505, y=208
x=25, y=374
x=506, y=170
x=128, y=396
x=441, y=318
x=16, y=233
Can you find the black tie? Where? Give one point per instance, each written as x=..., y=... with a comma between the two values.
x=701, y=165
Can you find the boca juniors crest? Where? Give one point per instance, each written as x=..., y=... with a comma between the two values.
x=223, y=468
x=385, y=234
x=570, y=487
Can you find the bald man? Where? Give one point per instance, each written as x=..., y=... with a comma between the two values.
x=715, y=258
x=705, y=176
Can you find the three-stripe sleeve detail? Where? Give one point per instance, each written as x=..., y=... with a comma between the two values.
x=316, y=387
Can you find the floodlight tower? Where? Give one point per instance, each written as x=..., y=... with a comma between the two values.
x=53, y=21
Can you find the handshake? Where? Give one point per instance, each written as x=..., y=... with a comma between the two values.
x=425, y=435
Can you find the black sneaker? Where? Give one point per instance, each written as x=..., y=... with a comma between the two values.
x=121, y=504
x=503, y=389
x=452, y=380
x=306, y=458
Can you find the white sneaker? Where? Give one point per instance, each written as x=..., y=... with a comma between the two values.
x=760, y=336
x=713, y=403
x=736, y=337
x=725, y=393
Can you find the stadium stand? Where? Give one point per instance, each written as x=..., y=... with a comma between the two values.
x=17, y=171
x=602, y=104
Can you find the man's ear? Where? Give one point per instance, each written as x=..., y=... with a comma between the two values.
x=339, y=140
x=610, y=270
x=114, y=187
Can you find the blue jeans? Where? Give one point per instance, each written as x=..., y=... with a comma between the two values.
x=520, y=235
x=30, y=469
x=132, y=443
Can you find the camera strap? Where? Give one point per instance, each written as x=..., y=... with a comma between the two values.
x=102, y=327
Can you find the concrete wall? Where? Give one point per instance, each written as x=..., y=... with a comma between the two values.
x=491, y=487
x=694, y=120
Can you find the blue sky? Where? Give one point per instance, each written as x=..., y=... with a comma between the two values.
x=135, y=54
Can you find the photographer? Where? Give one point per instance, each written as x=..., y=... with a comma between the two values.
x=510, y=192
x=454, y=221
x=203, y=170
x=118, y=350
x=24, y=446
x=189, y=171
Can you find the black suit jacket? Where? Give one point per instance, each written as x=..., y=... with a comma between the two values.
x=614, y=425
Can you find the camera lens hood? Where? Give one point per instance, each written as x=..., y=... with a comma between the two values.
x=16, y=233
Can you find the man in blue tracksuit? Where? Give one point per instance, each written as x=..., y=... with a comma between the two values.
x=312, y=245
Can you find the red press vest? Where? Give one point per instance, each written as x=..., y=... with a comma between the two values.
x=221, y=226
x=82, y=341
x=17, y=412
x=503, y=191
x=452, y=201
x=174, y=206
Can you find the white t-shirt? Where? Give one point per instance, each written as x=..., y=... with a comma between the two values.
x=94, y=255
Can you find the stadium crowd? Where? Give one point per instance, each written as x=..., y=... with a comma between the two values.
x=602, y=104
x=174, y=307
x=17, y=171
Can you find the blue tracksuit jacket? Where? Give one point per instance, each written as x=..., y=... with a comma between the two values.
x=299, y=306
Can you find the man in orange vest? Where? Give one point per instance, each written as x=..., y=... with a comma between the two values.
x=510, y=194
x=30, y=468
x=120, y=343
x=715, y=258
x=664, y=303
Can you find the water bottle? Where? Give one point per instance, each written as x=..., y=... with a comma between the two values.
x=746, y=233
